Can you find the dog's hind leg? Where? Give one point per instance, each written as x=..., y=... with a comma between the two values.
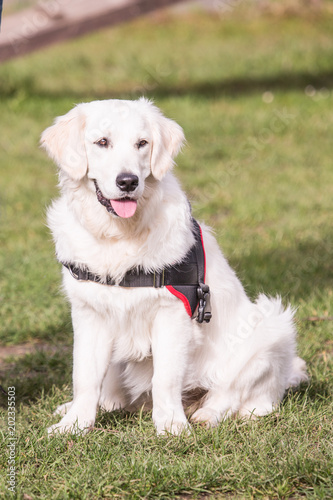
x=218, y=405
x=221, y=404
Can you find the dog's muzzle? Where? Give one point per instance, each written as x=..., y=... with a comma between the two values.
x=123, y=207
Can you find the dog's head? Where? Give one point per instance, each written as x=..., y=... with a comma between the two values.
x=116, y=145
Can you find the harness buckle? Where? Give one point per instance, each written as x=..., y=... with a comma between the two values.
x=158, y=279
x=204, y=311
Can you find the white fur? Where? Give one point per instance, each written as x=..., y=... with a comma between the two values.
x=134, y=344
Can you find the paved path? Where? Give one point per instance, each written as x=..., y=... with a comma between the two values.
x=52, y=21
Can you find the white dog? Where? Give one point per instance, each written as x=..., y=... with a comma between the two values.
x=122, y=213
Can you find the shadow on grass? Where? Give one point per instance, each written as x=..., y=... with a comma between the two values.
x=296, y=272
x=36, y=373
x=250, y=85
x=233, y=87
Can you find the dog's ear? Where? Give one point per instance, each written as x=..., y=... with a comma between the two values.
x=168, y=139
x=64, y=142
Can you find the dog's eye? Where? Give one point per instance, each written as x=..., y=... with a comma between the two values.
x=142, y=143
x=102, y=142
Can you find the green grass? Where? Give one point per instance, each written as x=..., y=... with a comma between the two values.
x=257, y=170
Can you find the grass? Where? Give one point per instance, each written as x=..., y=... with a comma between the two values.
x=253, y=93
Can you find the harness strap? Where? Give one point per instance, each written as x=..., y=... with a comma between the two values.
x=185, y=280
x=183, y=274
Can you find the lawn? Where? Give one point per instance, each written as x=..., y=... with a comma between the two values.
x=253, y=91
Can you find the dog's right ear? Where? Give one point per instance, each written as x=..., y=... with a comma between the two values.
x=64, y=142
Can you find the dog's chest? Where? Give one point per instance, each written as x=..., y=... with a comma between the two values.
x=132, y=341
x=131, y=318
x=128, y=315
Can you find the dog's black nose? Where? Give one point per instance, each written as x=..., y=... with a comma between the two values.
x=127, y=182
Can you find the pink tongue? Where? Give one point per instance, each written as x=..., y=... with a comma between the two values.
x=124, y=208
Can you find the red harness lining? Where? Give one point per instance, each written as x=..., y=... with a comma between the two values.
x=181, y=296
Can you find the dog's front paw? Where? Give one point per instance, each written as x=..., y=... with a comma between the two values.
x=176, y=428
x=72, y=424
x=176, y=425
x=60, y=428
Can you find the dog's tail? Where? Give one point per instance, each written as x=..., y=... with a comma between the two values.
x=284, y=323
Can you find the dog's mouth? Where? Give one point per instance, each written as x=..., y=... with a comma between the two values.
x=122, y=207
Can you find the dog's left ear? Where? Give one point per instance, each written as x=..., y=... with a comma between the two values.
x=64, y=142
x=168, y=139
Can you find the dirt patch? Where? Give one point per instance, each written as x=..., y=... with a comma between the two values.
x=20, y=350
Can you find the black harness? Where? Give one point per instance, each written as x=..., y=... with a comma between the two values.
x=185, y=280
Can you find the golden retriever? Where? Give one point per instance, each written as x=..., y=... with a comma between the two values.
x=122, y=211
